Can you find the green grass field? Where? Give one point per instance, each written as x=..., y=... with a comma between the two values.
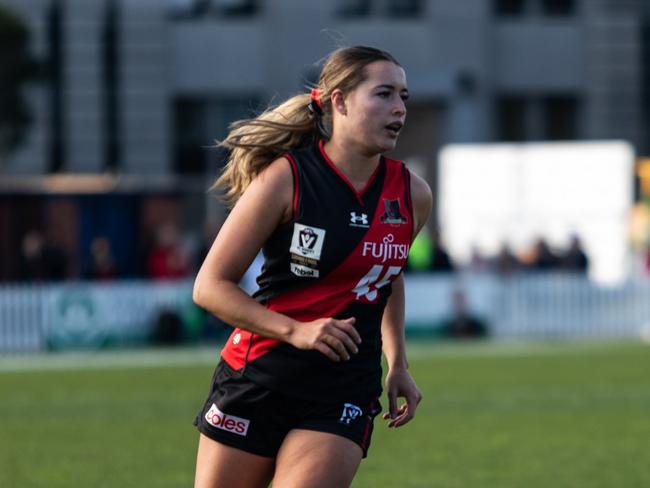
x=493, y=415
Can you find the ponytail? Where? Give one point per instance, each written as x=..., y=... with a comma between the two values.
x=256, y=143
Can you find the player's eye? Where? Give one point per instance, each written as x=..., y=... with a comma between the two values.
x=383, y=94
x=404, y=96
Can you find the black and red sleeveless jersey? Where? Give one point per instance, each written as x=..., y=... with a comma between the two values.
x=337, y=258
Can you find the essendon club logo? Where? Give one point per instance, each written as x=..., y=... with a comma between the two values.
x=392, y=213
x=230, y=423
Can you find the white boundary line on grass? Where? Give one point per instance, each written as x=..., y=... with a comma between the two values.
x=500, y=349
x=209, y=355
x=129, y=358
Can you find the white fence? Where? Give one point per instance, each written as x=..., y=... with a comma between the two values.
x=535, y=306
x=85, y=314
x=541, y=306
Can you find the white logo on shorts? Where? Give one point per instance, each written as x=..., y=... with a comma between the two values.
x=236, y=425
x=236, y=339
x=350, y=413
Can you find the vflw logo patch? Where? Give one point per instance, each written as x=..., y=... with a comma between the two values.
x=307, y=238
x=306, y=248
x=307, y=241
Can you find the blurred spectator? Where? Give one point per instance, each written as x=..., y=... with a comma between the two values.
x=428, y=254
x=167, y=259
x=440, y=260
x=102, y=263
x=210, y=230
x=462, y=324
x=419, y=259
x=478, y=262
x=543, y=258
x=41, y=260
x=506, y=262
x=168, y=329
x=575, y=258
x=55, y=261
x=31, y=266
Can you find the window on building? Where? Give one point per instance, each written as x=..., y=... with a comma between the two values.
x=404, y=8
x=186, y=9
x=235, y=8
x=558, y=7
x=560, y=117
x=198, y=123
x=645, y=79
x=353, y=8
x=110, y=77
x=56, y=148
x=509, y=7
x=511, y=118
x=189, y=155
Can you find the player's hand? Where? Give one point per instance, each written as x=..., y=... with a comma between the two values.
x=336, y=339
x=400, y=384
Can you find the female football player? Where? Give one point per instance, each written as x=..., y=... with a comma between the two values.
x=294, y=396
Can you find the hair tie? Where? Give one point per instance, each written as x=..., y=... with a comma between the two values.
x=315, y=96
x=315, y=106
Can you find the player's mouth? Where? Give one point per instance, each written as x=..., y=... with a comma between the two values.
x=394, y=128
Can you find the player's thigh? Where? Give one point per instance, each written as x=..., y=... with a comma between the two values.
x=221, y=466
x=312, y=459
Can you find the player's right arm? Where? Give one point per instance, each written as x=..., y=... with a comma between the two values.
x=265, y=204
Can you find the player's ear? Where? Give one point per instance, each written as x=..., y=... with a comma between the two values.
x=338, y=102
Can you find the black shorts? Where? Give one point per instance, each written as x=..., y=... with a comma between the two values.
x=244, y=415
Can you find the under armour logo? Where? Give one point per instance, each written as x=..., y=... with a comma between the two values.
x=350, y=413
x=358, y=220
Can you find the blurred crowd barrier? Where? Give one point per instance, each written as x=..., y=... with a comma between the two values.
x=93, y=315
x=532, y=306
x=547, y=306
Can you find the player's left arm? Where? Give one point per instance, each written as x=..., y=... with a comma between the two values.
x=399, y=383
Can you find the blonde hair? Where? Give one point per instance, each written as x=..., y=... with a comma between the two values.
x=255, y=143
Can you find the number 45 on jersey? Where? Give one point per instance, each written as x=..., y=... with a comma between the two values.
x=373, y=280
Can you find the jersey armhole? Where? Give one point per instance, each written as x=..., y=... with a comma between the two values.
x=296, y=184
x=407, y=193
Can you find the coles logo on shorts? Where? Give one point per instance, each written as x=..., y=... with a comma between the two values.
x=236, y=425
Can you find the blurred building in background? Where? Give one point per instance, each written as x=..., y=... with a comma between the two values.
x=137, y=89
